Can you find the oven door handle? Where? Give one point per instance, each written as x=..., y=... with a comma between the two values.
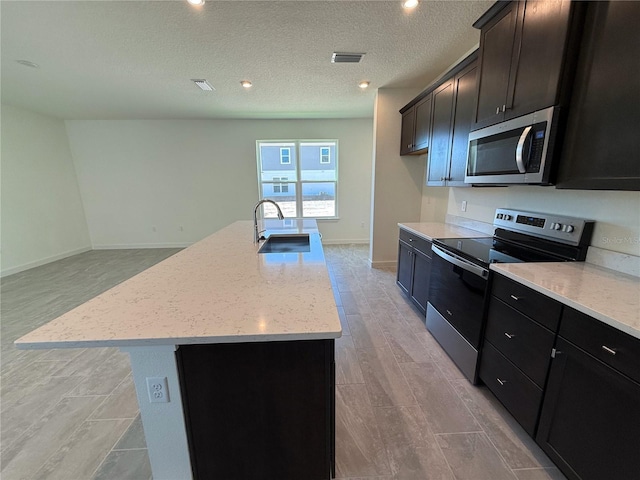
x=460, y=262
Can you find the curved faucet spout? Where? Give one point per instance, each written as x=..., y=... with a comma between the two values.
x=256, y=234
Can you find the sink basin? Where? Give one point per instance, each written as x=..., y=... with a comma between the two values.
x=286, y=243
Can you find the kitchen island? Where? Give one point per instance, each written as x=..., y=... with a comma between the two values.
x=220, y=307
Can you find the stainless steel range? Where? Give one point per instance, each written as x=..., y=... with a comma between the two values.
x=460, y=273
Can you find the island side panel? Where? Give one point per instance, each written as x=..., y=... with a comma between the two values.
x=163, y=423
x=260, y=410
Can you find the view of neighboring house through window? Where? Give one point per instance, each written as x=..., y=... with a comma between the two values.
x=300, y=175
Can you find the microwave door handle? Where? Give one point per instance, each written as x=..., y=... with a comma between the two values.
x=519, y=161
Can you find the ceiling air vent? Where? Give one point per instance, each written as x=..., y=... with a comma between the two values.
x=342, y=57
x=203, y=84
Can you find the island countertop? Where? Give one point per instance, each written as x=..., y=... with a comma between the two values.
x=219, y=290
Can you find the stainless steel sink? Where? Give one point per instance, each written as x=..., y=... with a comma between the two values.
x=286, y=243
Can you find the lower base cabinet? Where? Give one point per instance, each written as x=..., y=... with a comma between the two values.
x=590, y=421
x=260, y=411
x=414, y=268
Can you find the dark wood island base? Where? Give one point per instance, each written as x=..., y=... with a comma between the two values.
x=259, y=411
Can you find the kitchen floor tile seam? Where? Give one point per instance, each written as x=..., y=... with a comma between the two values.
x=71, y=433
x=124, y=432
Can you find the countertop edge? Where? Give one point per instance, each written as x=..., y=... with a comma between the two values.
x=568, y=302
x=455, y=230
x=160, y=342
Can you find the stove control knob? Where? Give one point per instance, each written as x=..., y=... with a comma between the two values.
x=567, y=228
x=508, y=217
x=556, y=226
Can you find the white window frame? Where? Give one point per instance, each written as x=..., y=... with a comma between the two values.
x=298, y=182
x=328, y=155
x=288, y=155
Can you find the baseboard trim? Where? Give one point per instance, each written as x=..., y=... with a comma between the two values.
x=42, y=261
x=358, y=241
x=126, y=246
x=382, y=264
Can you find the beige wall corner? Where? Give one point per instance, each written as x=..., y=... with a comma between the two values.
x=397, y=181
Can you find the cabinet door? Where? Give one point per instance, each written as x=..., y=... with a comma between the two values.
x=590, y=422
x=422, y=123
x=496, y=49
x=420, y=284
x=407, y=132
x=539, y=58
x=438, y=169
x=465, y=94
x=601, y=144
x=405, y=266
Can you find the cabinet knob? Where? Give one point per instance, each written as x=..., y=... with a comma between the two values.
x=509, y=335
x=608, y=350
x=501, y=382
x=497, y=110
x=410, y=145
x=504, y=108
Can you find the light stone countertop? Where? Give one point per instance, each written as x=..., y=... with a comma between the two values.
x=607, y=295
x=431, y=230
x=219, y=290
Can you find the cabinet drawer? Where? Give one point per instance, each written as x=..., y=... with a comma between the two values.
x=541, y=308
x=416, y=242
x=517, y=393
x=601, y=341
x=524, y=342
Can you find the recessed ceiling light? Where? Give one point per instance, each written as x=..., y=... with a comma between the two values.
x=364, y=84
x=196, y=3
x=246, y=83
x=27, y=63
x=409, y=4
x=203, y=84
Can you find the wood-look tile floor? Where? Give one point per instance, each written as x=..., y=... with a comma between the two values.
x=403, y=410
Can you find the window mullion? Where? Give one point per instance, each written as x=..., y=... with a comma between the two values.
x=298, y=182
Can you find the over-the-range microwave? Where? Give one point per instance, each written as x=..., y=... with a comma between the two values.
x=516, y=151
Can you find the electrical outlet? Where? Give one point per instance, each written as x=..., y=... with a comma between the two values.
x=463, y=207
x=158, y=389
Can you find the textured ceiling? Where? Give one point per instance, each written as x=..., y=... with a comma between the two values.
x=135, y=59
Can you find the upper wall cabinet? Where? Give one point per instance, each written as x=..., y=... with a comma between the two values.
x=453, y=104
x=438, y=122
x=525, y=61
x=416, y=127
x=601, y=144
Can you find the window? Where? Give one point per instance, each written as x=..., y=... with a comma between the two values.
x=285, y=156
x=300, y=175
x=325, y=155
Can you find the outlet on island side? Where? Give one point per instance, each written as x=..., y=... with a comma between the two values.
x=463, y=206
x=158, y=389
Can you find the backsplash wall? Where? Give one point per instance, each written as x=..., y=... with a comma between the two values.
x=616, y=213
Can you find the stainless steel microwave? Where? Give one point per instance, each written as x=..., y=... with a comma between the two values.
x=515, y=151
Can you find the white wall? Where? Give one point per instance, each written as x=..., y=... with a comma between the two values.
x=154, y=183
x=397, y=181
x=617, y=214
x=42, y=215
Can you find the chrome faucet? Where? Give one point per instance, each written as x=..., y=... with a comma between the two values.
x=256, y=236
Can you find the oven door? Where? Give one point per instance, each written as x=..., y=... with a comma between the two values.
x=456, y=291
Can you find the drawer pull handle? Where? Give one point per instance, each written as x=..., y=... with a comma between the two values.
x=411, y=239
x=449, y=312
x=501, y=382
x=515, y=298
x=509, y=335
x=608, y=350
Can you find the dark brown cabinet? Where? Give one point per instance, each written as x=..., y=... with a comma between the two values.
x=414, y=268
x=519, y=336
x=601, y=144
x=453, y=104
x=260, y=410
x=416, y=127
x=590, y=422
x=525, y=64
